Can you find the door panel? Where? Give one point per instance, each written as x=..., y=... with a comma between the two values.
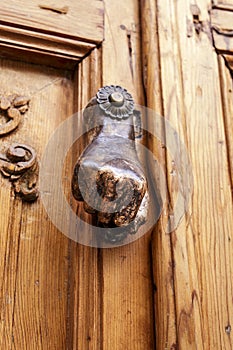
x=74, y=19
x=67, y=295
x=51, y=37
x=128, y=289
x=192, y=265
x=34, y=255
x=112, y=291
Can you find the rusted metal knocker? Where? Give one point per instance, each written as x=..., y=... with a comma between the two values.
x=108, y=176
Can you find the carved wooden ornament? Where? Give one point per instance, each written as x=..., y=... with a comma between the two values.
x=19, y=164
x=11, y=108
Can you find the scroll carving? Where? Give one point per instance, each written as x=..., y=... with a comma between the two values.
x=108, y=176
x=19, y=164
x=11, y=109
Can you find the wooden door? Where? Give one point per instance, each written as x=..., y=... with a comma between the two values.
x=164, y=291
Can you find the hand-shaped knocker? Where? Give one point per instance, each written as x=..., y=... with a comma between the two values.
x=108, y=176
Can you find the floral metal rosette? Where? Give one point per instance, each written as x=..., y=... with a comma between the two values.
x=115, y=101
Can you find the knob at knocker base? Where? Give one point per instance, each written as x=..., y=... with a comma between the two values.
x=108, y=176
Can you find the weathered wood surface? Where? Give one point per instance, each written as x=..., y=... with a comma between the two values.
x=113, y=301
x=222, y=25
x=201, y=247
x=223, y=4
x=127, y=292
x=227, y=105
x=164, y=297
x=84, y=328
x=34, y=255
x=222, y=20
x=57, y=294
x=79, y=19
x=53, y=37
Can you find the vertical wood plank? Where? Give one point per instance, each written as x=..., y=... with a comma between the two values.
x=113, y=302
x=227, y=103
x=49, y=268
x=127, y=283
x=201, y=245
x=85, y=271
x=164, y=302
x=211, y=221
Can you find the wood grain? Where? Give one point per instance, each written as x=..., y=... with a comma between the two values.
x=34, y=264
x=223, y=4
x=222, y=28
x=229, y=62
x=85, y=268
x=113, y=299
x=31, y=15
x=127, y=284
x=53, y=38
x=45, y=48
x=57, y=294
x=227, y=104
x=164, y=301
x=222, y=19
x=201, y=244
x=222, y=43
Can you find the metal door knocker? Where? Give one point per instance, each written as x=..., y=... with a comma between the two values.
x=108, y=176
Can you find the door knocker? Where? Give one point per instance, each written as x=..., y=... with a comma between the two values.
x=108, y=176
